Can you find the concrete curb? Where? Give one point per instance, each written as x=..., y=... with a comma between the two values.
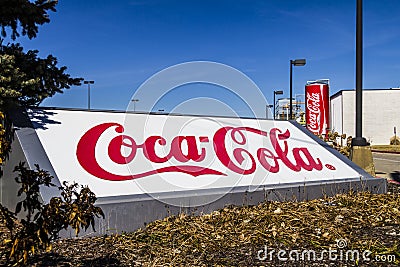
x=386, y=152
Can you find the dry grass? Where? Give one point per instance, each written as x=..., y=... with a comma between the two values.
x=234, y=235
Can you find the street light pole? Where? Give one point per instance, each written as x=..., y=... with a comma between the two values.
x=279, y=92
x=296, y=62
x=291, y=89
x=134, y=104
x=360, y=153
x=359, y=140
x=88, y=83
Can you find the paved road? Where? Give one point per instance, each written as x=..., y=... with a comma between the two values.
x=386, y=163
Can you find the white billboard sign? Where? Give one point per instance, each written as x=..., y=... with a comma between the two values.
x=130, y=153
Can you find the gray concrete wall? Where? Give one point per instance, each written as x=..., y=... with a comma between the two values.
x=8, y=185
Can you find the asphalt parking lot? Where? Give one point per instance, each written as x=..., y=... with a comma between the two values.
x=386, y=163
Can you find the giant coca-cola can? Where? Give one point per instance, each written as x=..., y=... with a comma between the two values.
x=317, y=106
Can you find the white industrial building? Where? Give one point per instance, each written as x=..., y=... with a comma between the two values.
x=282, y=108
x=381, y=114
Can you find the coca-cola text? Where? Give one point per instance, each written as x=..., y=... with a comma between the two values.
x=189, y=151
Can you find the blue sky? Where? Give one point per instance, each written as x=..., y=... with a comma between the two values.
x=120, y=44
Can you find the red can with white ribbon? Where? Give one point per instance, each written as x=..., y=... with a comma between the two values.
x=317, y=107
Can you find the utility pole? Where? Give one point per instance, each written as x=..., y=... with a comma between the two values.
x=359, y=140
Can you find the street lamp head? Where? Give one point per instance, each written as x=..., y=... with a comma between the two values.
x=279, y=92
x=87, y=82
x=135, y=100
x=298, y=62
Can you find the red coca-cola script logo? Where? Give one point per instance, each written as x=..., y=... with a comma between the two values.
x=314, y=112
x=191, y=157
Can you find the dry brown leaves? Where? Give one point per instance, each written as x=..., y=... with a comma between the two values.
x=233, y=236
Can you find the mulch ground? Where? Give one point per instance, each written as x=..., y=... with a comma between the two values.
x=269, y=234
